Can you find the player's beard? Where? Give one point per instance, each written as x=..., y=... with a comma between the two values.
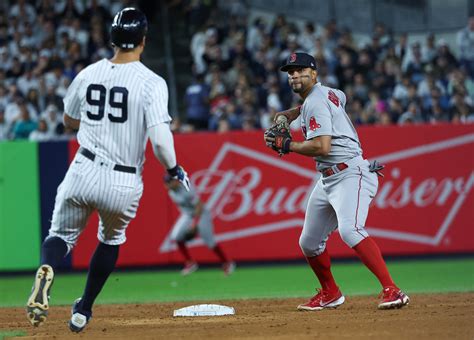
x=298, y=88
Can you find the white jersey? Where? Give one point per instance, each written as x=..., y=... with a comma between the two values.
x=323, y=114
x=116, y=104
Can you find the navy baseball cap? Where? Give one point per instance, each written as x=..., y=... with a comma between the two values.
x=299, y=59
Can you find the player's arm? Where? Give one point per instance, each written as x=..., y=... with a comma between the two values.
x=291, y=114
x=70, y=122
x=157, y=121
x=162, y=142
x=317, y=146
x=163, y=147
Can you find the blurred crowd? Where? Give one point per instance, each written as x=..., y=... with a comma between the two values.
x=43, y=45
x=237, y=85
x=387, y=79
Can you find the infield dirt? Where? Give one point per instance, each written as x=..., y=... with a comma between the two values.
x=429, y=316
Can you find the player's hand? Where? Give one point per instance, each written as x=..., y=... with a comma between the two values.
x=178, y=173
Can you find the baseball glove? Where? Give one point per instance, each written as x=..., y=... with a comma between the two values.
x=190, y=234
x=278, y=136
x=377, y=168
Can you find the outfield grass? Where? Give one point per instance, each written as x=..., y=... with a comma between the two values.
x=417, y=276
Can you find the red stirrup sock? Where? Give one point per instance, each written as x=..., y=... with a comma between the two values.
x=218, y=251
x=321, y=266
x=369, y=253
x=184, y=251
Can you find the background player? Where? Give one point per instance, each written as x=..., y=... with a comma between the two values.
x=115, y=104
x=195, y=219
x=342, y=195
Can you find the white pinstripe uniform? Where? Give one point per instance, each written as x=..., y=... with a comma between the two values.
x=116, y=104
x=341, y=197
x=187, y=202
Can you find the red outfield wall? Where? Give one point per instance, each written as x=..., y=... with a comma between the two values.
x=425, y=203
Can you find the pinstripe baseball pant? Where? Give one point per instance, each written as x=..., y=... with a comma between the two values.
x=95, y=185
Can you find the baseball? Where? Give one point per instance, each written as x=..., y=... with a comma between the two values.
x=281, y=119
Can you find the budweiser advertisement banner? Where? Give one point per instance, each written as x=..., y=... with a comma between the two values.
x=424, y=205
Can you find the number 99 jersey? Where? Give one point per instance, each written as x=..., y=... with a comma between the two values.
x=116, y=104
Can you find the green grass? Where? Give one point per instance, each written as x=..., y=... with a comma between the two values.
x=420, y=276
x=4, y=334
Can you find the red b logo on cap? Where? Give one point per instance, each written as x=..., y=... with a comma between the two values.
x=292, y=57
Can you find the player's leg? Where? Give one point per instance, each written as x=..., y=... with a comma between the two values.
x=117, y=205
x=69, y=219
x=320, y=221
x=206, y=231
x=178, y=233
x=351, y=199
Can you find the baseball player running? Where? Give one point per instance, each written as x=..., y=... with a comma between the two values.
x=340, y=200
x=195, y=219
x=116, y=105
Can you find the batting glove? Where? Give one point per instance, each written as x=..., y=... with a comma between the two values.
x=178, y=173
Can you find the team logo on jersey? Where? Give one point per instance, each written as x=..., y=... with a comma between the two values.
x=292, y=57
x=313, y=124
x=333, y=98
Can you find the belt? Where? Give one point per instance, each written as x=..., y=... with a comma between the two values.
x=117, y=167
x=334, y=169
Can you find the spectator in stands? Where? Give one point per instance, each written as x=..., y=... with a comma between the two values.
x=465, y=42
x=307, y=37
x=384, y=36
x=444, y=51
x=412, y=115
x=437, y=114
x=53, y=120
x=27, y=82
x=197, y=101
x=395, y=109
x=331, y=34
x=50, y=97
x=401, y=46
x=428, y=50
x=461, y=110
x=458, y=81
x=223, y=125
x=23, y=10
x=279, y=30
x=23, y=125
x=255, y=34
x=415, y=66
x=41, y=134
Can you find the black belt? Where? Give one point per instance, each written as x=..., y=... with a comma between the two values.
x=117, y=167
x=329, y=171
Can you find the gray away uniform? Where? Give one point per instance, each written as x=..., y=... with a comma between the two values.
x=340, y=200
x=187, y=202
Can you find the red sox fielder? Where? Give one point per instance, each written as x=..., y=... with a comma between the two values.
x=116, y=105
x=195, y=219
x=340, y=200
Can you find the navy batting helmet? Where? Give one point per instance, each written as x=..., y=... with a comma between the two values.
x=128, y=28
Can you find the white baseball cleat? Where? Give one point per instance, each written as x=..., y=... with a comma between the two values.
x=38, y=303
